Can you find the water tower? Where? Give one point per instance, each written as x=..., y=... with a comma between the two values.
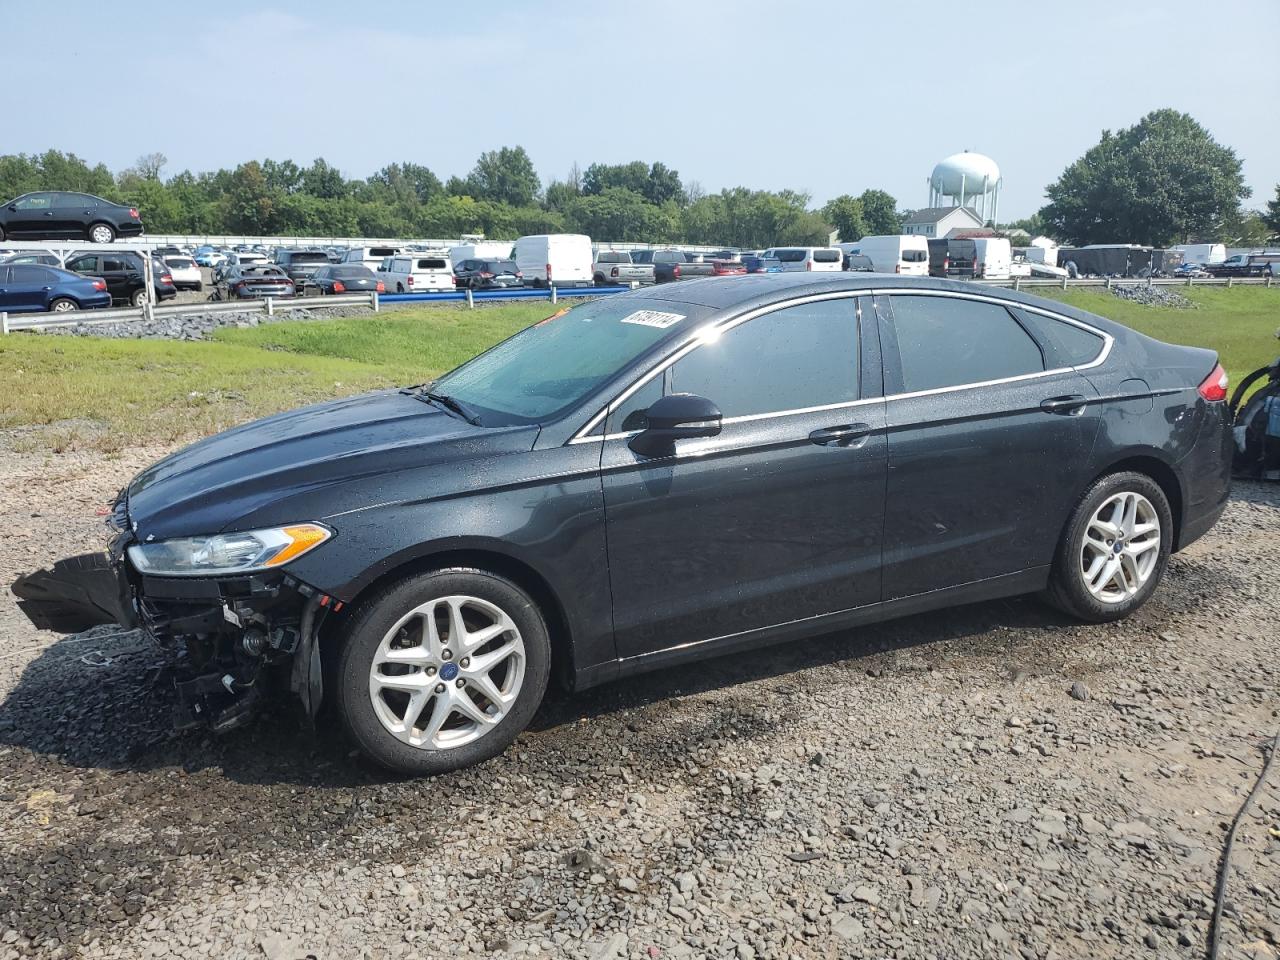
x=967, y=180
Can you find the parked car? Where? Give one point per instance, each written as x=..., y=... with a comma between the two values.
x=343, y=278
x=857, y=263
x=487, y=274
x=904, y=254
x=370, y=257
x=46, y=259
x=209, y=257
x=1245, y=265
x=32, y=287
x=254, y=283
x=951, y=257
x=808, y=259
x=615, y=267
x=1192, y=268
x=758, y=264
x=241, y=258
x=59, y=215
x=124, y=277
x=672, y=265
x=419, y=558
x=417, y=273
x=557, y=259
x=728, y=268
x=992, y=257
x=185, y=272
x=480, y=250
x=300, y=264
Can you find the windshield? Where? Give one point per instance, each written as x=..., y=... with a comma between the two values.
x=551, y=367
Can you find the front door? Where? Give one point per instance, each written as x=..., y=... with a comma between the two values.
x=989, y=443
x=779, y=517
x=31, y=216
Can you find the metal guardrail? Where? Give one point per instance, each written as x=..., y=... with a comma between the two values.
x=1031, y=283
x=268, y=305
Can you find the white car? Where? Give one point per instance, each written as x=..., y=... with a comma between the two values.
x=809, y=259
x=428, y=272
x=186, y=273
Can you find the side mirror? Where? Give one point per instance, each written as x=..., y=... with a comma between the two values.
x=679, y=416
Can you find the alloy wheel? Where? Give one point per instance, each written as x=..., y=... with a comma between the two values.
x=63, y=306
x=101, y=234
x=447, y=673
x=1121, y=547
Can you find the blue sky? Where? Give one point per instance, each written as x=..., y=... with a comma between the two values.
x=828, y=98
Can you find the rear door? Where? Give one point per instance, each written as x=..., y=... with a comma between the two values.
x=72, y=213
x=777, y=519
x=989, y=442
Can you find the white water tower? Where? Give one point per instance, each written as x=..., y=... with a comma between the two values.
x=967, y=180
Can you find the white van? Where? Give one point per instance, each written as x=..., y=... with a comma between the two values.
x=370, y=257
x=897, y=253
x=428, y=272
x=554, y=259
x=480, y=250
x=1202, y=253
x=992, y=257
x=816, y=259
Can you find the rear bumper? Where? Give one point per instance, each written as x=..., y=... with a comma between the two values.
x=129, y=228
x=1205, y=473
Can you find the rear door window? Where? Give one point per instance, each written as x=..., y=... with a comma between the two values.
x=915, y=256
x=950, y=341
x=826, y=256
x=88, y=265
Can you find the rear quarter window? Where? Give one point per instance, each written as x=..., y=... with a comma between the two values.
x=1065, y=344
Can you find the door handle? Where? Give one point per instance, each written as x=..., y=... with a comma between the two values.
x=843, y=435
x=1072, y=405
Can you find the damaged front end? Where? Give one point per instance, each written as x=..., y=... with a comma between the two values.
x=237, y=636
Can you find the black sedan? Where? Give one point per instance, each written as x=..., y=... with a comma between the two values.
x=123, y=275
x=253, y=283
x=58, y=215
x=651, y=479
x=487, y=274
x=343, y=278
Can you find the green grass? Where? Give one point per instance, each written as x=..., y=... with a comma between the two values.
x=112, y=394
x=1239, y=323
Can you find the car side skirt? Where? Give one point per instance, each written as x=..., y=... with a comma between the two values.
x=1030, y=580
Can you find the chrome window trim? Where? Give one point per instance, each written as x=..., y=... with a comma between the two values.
x=580, y=436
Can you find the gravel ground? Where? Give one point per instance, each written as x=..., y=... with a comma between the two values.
x=994, y=781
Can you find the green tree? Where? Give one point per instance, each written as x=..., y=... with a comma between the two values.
x=322, y=180
x=1271, y=217
x=1160, y=181
x=504, y=176
x=845, y=213
x=621, y=214
x=880, y=213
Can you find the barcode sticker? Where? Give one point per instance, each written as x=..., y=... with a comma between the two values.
x=653, y=318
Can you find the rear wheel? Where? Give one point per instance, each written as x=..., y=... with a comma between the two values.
x=63, y=306
x=138, y=297
x=442, y=670
x=199, y=285
x=1114, y=550
x=102, y=233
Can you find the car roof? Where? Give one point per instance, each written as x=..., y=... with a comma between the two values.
x=741, y=293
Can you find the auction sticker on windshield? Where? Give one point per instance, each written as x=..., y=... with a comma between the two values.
x=653, y=318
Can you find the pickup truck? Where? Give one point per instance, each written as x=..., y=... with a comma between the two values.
x=614, y=267
x=669, y=265
x=1247, y=265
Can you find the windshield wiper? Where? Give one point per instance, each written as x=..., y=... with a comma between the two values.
x=446, y=401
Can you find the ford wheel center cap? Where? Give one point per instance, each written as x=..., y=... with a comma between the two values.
x=449, y=671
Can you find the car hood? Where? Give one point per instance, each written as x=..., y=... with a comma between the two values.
x=323, y=459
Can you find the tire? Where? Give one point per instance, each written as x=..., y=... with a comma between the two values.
x=1095, y=518
x=484, y=599
x=101, y=233
x=63, y=305
x=138, y=297
x=399, y=288
x=1, y=233
x=199, y=286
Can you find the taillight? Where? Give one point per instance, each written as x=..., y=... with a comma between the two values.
x=339, y=287
x=808, y=264
x=99, y=285
x=675, y=271
x=166, y=278
x=133, y=212
x=548, y=271
x=484, y=275
x=382, y=287
x=410, y=280
x=897, y=268
x=1214, y=387
x=519, y=275
x=613, y=272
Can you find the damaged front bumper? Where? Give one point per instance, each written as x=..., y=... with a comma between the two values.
x=237, y=639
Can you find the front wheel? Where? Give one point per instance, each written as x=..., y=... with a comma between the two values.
x=1114, y=550
x=442, y=670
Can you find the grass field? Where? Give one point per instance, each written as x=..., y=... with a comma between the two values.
x=109, y=394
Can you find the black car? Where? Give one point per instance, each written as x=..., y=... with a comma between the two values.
x=56, y=215
x=487, y=274
x=343, y=278
x=253, y=283
x=654, y=478
x=300, y=265
x=123, y=273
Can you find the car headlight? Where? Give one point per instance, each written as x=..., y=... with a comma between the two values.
x=225, y=553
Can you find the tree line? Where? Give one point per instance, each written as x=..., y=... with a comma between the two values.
x=502, y=197
x=1164, y=180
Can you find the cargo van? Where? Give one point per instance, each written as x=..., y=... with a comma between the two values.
x=554, y=259
x=428, y=272
x=992, y=257
x=480, y=250
x=1202, y=253
x=370, y=257
x=897, y=253
x=814, y=259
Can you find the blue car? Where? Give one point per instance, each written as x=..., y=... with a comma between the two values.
x=32, y=287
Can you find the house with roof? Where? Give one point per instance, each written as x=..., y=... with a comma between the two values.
x=941, y=221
